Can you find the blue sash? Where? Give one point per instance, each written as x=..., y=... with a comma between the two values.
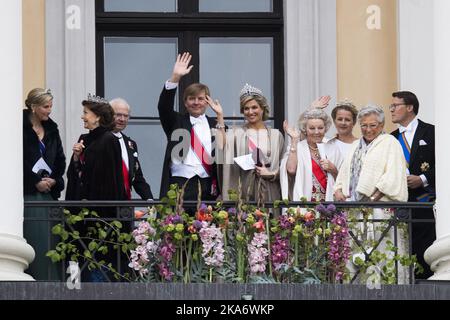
x=405, y=146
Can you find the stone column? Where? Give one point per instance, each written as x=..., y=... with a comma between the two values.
x=438, y=255
x=15, y=253
x=367, y=52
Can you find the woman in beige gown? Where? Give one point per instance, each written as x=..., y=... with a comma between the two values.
x=262, y=145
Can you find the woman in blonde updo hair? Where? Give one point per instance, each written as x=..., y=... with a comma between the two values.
x=41, y=141
x=309, y=167
x=255, y=138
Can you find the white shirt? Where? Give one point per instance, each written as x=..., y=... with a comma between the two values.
x=123, y=148
x=410, y=131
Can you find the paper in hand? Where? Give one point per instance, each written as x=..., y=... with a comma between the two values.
x=41, y=165
x=245, y=162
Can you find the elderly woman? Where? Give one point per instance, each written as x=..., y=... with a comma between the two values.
x=374, y=169
x=95, y=170
x=256, y=140
x=44, y=163
x=309, y=167
x=344, y=119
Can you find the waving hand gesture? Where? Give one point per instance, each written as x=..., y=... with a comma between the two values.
x=181, y=67
x=321, y=102
x=293, y=133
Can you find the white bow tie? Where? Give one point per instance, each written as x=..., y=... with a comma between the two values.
x=198, y=120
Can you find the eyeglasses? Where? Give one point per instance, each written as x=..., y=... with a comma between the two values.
x=395, y=105
x=371, y=126
x=122, y=115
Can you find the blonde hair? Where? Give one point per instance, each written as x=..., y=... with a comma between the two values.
x=261, y=100
x=38, y=97
x=313, y=114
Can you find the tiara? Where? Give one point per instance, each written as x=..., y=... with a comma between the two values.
x=345, y=102
x=96, y=99
x=248, y=90
x=46, y=91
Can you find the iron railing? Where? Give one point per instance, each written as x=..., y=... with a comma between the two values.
x=125, y=213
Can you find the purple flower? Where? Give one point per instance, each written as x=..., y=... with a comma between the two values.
x=197, y=224
x=339, y=245
x=280, y=251
x=284, y=222
x=177, y=219
x=232, y=211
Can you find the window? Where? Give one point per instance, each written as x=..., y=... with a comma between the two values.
x=232, y=42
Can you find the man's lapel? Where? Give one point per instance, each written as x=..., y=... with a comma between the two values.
x=418, y=135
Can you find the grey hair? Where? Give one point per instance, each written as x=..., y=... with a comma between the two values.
x=120, y=101
x=371, y=109
x=313, y=114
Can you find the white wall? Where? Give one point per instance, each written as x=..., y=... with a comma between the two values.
x=416, y=53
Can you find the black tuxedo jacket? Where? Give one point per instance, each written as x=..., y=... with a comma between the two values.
x=422, y=160
x=172, y=120
x=135, y=175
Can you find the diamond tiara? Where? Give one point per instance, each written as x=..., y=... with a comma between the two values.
x=46, y=91
x=96, y=99
x=248, y=90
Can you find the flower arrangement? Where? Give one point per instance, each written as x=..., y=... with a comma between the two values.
x=237, y=244
x=241, y=244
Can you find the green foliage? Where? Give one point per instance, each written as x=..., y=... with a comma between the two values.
x=101, y=237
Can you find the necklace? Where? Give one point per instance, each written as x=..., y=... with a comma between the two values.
x=268, y=153
x=314, y=151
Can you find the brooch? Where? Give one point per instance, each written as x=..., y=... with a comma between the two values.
x=424, y=167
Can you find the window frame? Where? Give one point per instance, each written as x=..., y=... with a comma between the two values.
x=189, y=25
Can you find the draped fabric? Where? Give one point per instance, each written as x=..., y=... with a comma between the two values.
x=301, y=185
x=380, y=165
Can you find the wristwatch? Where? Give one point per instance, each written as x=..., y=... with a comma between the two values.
x=372, y=198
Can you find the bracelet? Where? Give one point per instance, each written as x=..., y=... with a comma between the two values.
x=292, y=149
x=220, y=126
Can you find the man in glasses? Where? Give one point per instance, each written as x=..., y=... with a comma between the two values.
x=417, y=140
x=131, y=168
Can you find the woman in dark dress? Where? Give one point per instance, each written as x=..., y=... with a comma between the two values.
x=95, y=170
x=44, y=163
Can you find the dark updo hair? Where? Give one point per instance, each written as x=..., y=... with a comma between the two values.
x=38, y=97
x=102, y=110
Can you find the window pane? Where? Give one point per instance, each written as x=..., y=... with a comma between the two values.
x=141, y=5
x=227, y=64
x=235, y=6
x=136, y=68
x=151, y=142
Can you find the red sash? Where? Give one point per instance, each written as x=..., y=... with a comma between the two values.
x=201, y=152
x=205, y=158
x=319, y=174
x=126, y=180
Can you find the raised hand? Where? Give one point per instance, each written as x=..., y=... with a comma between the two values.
x=215, y=105
x=181, y=67
x=77, y=150
x=293, y=133
x=321, y=103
